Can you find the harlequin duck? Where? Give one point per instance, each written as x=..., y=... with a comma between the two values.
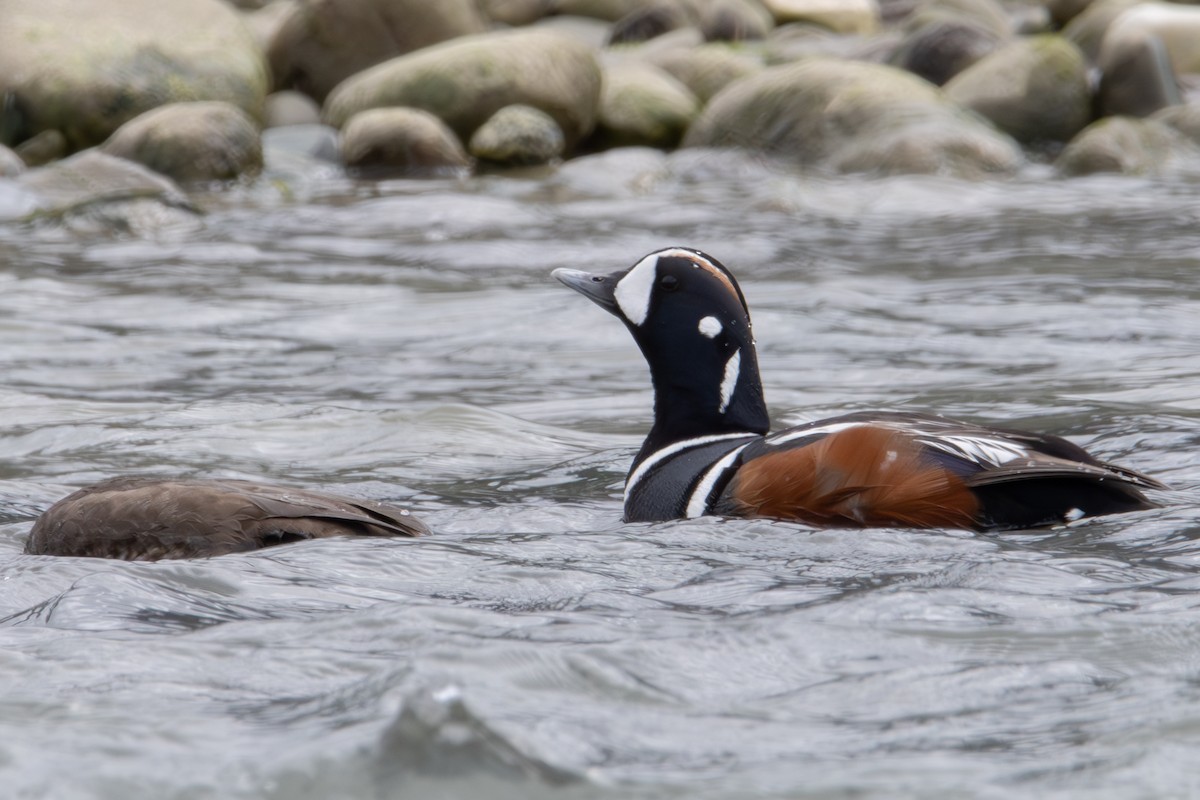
x=709, y=450
x=145, y=519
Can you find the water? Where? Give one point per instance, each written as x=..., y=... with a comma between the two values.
x=403, y=340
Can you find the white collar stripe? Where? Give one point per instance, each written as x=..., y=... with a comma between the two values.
x=660, y=455
x=698, y=504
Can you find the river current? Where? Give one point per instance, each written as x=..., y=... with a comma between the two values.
x=403, y=340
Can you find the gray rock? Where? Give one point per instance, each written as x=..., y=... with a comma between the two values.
x=518, y=136
x=1136, y=76
x=1035, y=89
x=516, y=12
x=43, y=147
x=465, y=81
x=1129, y=146
x=643, y=105
x=1185, y=119
x=707, y=69
x=732, y=20
x=607, y=10
x=944, y=47
x=11, y=164
x=323, y=42
x=191, y=141
x=94, y=183
x=1086, y=30
x=85, y=67
x=842, y=16
x=319, y=142
x=291, y=108
x=1175, y=24
x=406, y=140
x=647, y=22
x=853, y=116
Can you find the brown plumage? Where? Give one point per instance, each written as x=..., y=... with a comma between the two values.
x=147, y=519
x=860, y=476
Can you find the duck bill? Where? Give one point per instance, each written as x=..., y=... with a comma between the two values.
x=597, y=288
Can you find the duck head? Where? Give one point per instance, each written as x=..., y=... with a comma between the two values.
x=689, y=318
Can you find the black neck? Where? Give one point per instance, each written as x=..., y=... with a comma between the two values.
x=685, y=408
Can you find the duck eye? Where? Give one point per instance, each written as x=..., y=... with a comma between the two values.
x=668, y=283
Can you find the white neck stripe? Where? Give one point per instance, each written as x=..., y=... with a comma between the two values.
x=733, y=368
x=698, y=504
x=659, y=455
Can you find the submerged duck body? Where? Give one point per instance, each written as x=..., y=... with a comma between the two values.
x=709, y=450
x=146, y=519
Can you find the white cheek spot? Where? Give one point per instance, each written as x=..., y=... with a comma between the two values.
x=710, y=327
x=633, y=292
x=732, y=367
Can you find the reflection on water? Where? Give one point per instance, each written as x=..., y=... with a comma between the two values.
x=404, y=341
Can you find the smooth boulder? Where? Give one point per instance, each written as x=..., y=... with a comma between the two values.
x=465, y=81
x=1034, y=88
x=643, y=105
x=1127, y=146
x=849, y=116
x=191, y=141
x=518, y=136
x=323, y=42
x=839, y=16
x=401, y=139
x=86, y=67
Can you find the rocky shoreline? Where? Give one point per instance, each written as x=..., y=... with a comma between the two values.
x=137, y=94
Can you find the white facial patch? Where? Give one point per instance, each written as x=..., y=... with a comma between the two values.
x=732, y=367
x=633, y=292
x=710, y=327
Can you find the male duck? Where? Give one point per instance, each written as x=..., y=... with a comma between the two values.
x=709, y=451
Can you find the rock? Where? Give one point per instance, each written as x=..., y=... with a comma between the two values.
x=1063, y=11
x=516, y=12
x=11, y=164
x=587, y=31
x=840, y=16
x=1035, y=89
x=608, y=10
x=1185, y=119
x=43, y=147
x=1086, y=31
x=108, y=189
x=85, y=67
x=518, y=136
x=1129, y=146
x=191, y=141
x=707, y=69
x=987, y=14
x=647, y=22
x=312, y=141
x=642, y=105
x=1144, y=51
x=404, y=139
x=465, y=81
x=323, y=42
x=1178, y=26
x=291, y=108
x=729, y=20
x=943, y=47
x=1136, y=76
x=852, y=116
x=795, y=41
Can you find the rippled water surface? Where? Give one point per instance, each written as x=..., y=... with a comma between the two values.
x=403, y=340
